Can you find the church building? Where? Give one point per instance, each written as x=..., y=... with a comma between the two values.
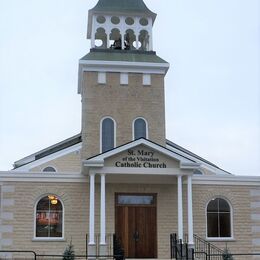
x=121, y=177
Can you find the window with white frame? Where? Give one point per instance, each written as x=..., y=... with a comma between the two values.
x=49, y=169
x=140, y=128
x=107, y=134
x=218, y=219
x=49, y=218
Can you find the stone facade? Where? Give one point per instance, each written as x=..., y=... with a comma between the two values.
x=67, y=163
x=19, y=199
x=123, y=103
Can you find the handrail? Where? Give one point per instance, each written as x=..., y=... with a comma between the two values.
x=208, y=243
x=210, y=249
x=202, y=247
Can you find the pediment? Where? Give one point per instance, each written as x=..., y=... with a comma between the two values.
x=141, y=155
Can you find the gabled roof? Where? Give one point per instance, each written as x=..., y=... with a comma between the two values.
x=48, y=151
x=76, y=140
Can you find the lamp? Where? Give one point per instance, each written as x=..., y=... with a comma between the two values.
x=53, y=199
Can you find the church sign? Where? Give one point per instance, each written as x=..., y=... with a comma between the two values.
x=140, y=158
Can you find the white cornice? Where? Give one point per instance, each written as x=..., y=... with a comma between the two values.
x=12, y=176
x=120, y=67
x=230, y=180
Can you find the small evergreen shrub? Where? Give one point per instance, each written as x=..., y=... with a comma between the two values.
x=227, y=255
x=69, y=253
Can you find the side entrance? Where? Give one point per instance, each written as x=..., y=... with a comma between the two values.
x=136, y=225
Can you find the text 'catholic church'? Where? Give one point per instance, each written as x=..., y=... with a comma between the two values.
x=120, y=182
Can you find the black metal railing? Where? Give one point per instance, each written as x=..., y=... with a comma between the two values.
x=180, y=249
x=205, y=250
x=113, y=245
x=202, y=249
x=32, y=255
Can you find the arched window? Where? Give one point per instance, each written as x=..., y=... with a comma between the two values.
x=218, y=218
x=198, y=172
x=49, y=217
x=107, y=134
x=49, y=169
x=140, y=128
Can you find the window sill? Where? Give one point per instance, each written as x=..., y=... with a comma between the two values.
x=220, y=239
x=51, y=239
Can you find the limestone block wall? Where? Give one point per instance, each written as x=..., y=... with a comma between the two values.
x=7, y=217
x=67, y=163
x=123, y=103
x=255, y=218
x=240, y=199
x=17, y=216
x=18, y=201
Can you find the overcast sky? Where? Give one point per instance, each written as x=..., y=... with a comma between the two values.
x=212, y=87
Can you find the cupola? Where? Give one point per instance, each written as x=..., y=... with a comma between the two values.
x=121, y=25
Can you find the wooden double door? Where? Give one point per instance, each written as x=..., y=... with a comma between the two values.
x=136, y=225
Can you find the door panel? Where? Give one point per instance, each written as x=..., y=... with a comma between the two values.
x=146, y=226
x=131, y=232
x=136, y=229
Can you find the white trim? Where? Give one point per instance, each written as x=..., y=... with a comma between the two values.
x=102, y=209
x=92, y=209
x=42, y=177
x=221, y=239
x=180, y=208
x=227, y=180
x=190, y=210
x=147, y=79
x=231, y=219
x=100, y=131
x=139, y=171
x=48, y=158
x=51, y=239
x=119, y=66
x=147, y=143
x=102, y=77
x=34, y=220
x=124, y=78
x=133, y=127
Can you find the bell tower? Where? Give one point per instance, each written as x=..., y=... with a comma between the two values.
x=121, y=79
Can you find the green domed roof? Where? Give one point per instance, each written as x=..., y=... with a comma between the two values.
x=123, y=6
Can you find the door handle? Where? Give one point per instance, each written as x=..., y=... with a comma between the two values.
x=136, y=236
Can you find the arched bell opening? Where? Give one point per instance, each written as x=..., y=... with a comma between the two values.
x=100, y=39
x=144, y=40
x=129, y=39
x=115, y=39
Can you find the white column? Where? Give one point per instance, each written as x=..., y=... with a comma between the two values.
x=103, y=210
x=92, y=209
x=108, y=38
x=190, y=212
x=137, y=39
x=180, y=209
x=151, y=40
